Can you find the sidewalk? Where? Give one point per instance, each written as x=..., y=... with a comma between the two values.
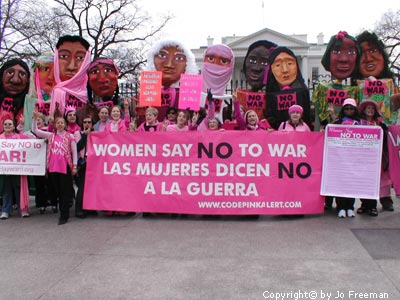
x=204, y=258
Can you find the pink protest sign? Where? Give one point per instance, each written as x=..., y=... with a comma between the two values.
x=150, y=88
x=336, y=97
x=190, y=91
x=252, y=100
x=205, y=172
x=394, y=156
x=352, y=161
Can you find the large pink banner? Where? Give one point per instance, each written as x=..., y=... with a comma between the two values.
x=231, y=172
x=394, y=156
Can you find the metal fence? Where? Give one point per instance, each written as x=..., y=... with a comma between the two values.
x=132, y=89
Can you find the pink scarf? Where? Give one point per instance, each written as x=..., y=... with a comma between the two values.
x=75, y=86
x=216, y=77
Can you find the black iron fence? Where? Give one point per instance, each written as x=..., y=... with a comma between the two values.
x=132, y=89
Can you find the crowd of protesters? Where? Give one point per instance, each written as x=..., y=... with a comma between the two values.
x=66, y=96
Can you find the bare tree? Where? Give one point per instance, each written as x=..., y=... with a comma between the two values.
x=10, y=40
x=119, y=29
x=388, y=29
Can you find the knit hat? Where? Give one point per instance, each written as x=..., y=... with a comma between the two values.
x=365, y=103
x=295, y=108
x=350, y=101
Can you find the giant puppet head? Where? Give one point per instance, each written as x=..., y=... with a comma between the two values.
x=284, y=71
x=14, y=86
x=71, y=60
x=256, y=62
x=217, y=70
x=341, y=56
x=103, y=77
x=374, y=60
x=172, y=58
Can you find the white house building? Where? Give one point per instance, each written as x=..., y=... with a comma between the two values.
x=308, y=54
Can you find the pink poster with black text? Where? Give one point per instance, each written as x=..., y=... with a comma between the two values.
x=205, y=172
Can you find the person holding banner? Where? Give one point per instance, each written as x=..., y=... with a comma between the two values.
x=210, y=122
x=151, y=124
x=285, y=87
x=295, y=122
x=61, y=163
x=371, y=115
x=348, y=115
x=101, y=124
x=117, y=122
x=13, y=184
x=81, y=175
x=181, y=124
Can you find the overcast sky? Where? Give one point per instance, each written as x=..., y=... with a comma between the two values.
x=196, y=20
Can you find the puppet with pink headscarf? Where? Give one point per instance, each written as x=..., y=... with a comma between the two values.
x=217, y=70
x=40, y=88
x=71, y=61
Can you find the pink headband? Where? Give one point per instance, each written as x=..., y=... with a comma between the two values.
x=105, y=61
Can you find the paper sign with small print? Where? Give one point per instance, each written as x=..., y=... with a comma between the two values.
x=190, y=91
x=150, y=88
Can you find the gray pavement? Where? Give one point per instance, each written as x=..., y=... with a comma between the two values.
x=107, y=258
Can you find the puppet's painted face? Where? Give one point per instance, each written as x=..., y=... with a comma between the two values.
x=372, y=62
x=46, y=77
x=217, y=60
x=70, y=56
x=171, y=61
x=343, y=59
x=15, y=80
x=284, y=69
x=256, y=62
x=103, y=80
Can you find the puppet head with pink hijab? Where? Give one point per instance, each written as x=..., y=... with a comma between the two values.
x=217, y=70
x=71, y=61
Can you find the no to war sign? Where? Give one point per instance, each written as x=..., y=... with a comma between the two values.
x=231, y=172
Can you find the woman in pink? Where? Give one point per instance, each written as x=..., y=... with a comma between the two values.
x=151, y=123
x=181, y=122
x=116, y=123
x=62, y=160
x=72, y=126
x=295, y=122
x=13, y=184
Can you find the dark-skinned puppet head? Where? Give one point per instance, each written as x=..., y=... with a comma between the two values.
x=374, y=60
x=14, y=86
x=256, y=62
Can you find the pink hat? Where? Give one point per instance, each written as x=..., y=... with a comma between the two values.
x=295, y=108
x=365, y=103
x=68, y=109
x=350, y=101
